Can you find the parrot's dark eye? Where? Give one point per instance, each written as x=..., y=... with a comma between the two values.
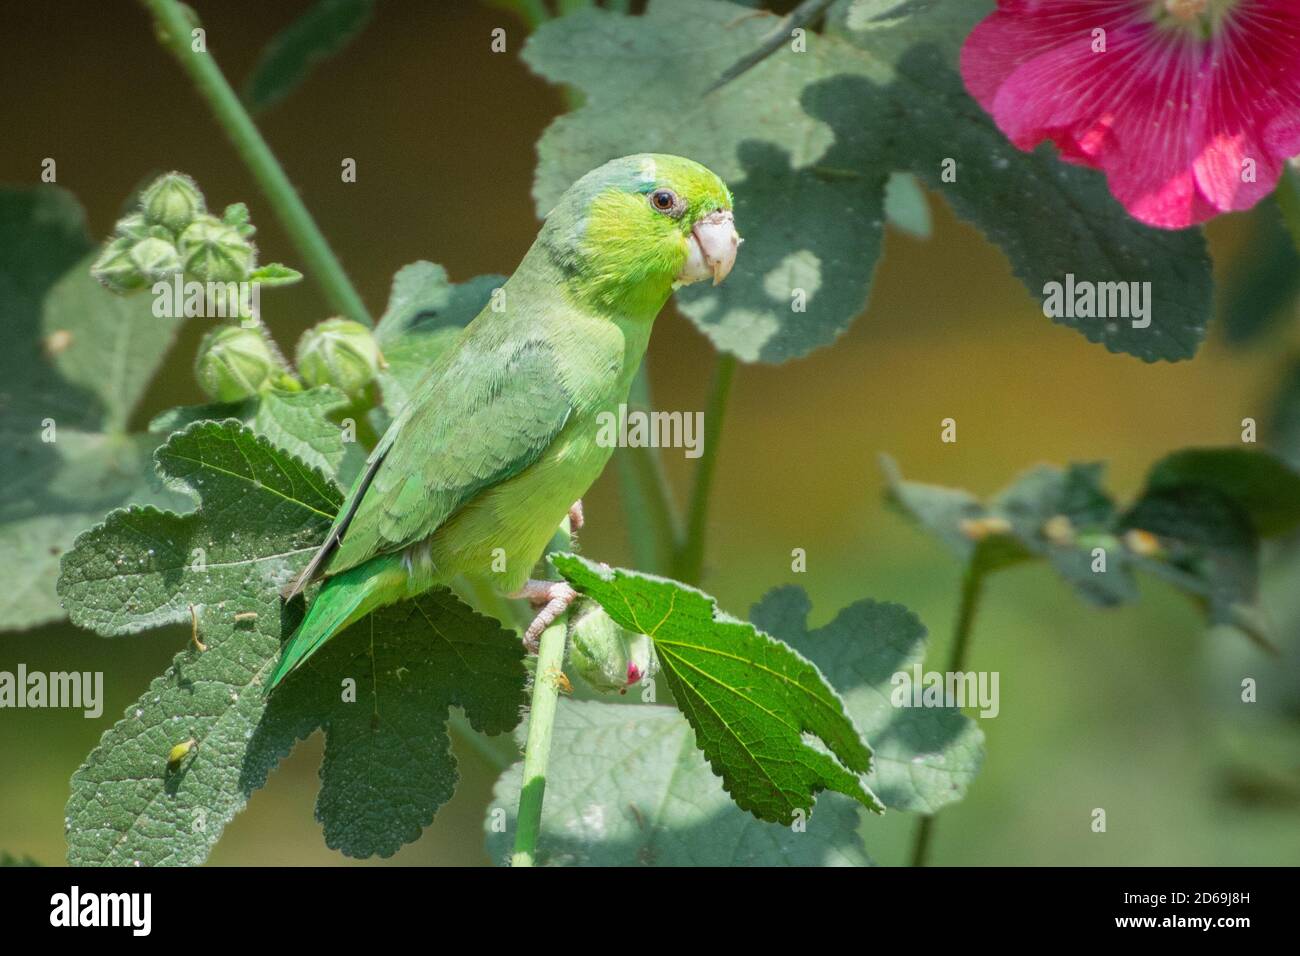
x=665, y=200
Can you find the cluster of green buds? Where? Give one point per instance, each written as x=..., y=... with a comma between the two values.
x=218, y=250
x=341, y=353
x=172, y=232
x=607, y=657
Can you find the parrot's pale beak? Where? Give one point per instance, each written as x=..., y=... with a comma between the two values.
x=711, y=248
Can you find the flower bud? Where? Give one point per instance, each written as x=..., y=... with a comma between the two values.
x=133, y=226
x=215, y=252
x=155, y=259
x=606, y=656
x=341, y=353
x=114, y=268
x=235, y=363
x=172, y=201
x=236, y=214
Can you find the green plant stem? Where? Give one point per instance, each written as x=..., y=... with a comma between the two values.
x=1288, y=200
x=537, y=750
x=653, y=525
x=174, y=27
x=972, y=589
x=688, y=564
x=801, y=16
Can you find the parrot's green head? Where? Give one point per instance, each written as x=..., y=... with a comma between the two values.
x=636, y=227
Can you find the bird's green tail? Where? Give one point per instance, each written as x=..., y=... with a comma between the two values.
x=342, y=600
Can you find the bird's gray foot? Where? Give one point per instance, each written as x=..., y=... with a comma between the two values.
x=576, y=520
x=550, y=599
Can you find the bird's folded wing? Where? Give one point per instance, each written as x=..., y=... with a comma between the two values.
x=487, y=417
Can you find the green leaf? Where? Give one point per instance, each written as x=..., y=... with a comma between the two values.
x=292, y=54
x=808, y=141
x=947, y=513
x=264, y=513
x=424, y=316
x=126, y=807
x=75, y=362
x=1077, y=227
x=923, y=757
x=1206, y=508
x=273, y=274
x=766, y=719
x=1212, y=506
x=299, y=423
x=1013, y=526
x=1046, y=494
x=182, y=416
x=1287, y=197
x=627, y=785
x=1210, y=551
x=387, y=766
x=1261, y=484
x=808, y=223
x=1263, y=281
x=1286, y=419
x=906, y=206
x=117, y=343
x=83, y=476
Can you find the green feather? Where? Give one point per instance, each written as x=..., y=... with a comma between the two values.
x=499, y=439
x=341, y=601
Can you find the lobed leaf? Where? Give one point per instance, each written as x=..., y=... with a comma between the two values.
x=324, y=30
x=1199, y=522
x=923, y=758
x=768, y=722
x=299, y=423
x=808, y=140
x=424, y=316
x=75, y=362
x=380, y=691
x=627, y=785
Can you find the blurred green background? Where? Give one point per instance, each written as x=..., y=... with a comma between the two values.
x=1124, y=710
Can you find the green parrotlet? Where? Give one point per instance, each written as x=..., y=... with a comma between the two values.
x=499, y=441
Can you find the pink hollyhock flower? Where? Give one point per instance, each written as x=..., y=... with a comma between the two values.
x=1190, y=107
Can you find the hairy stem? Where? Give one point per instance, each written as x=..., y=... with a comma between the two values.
x=972, y=588
x=174, y=26
x=541, y=722
x=688, y=564
x=537, y=751
x=801, y=16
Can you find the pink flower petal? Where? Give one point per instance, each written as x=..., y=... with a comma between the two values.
x=1179, y=124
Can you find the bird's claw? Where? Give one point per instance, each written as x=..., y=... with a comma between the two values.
x=551, y=599
x=576, y=519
